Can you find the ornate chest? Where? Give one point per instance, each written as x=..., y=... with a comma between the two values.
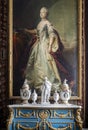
x=44, y=117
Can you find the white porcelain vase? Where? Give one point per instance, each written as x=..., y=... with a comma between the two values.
x=65, y=93
x=56, y=97
x=25, y=93
x=65, y=96
x=34, y=97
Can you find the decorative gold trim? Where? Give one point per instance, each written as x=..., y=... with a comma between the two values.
x=10, y=48
x=84, y=65
x=18, y=126
x=80, y=48
x=51, y=113
x=65, y=128
x=27, y=115
x=10, y=118
x=44, y=114
x=78, y=119
x=43, y=125
x=62, y=115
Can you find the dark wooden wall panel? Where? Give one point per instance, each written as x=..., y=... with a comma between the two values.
x=3, y=60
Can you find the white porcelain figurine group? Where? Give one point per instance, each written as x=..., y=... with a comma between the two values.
x=64, y=94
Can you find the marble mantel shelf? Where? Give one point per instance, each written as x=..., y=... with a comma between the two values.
x=49, y=106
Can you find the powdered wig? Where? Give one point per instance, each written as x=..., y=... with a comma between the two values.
x=45, y=10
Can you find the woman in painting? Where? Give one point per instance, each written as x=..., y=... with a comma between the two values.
x=43, y=56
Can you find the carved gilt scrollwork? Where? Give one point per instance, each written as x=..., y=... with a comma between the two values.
x=62, y=115
x=43, y=124
x=64, y=128
x=44, y=114
x=18, y=126
x=10, y=118
x=78, y=119
x=27, y=115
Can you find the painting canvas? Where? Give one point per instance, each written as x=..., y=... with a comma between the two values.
x=65, y=19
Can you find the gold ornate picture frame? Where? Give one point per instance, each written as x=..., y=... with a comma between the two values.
x=68, y=18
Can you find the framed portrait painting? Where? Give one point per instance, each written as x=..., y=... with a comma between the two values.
x=46, y=40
